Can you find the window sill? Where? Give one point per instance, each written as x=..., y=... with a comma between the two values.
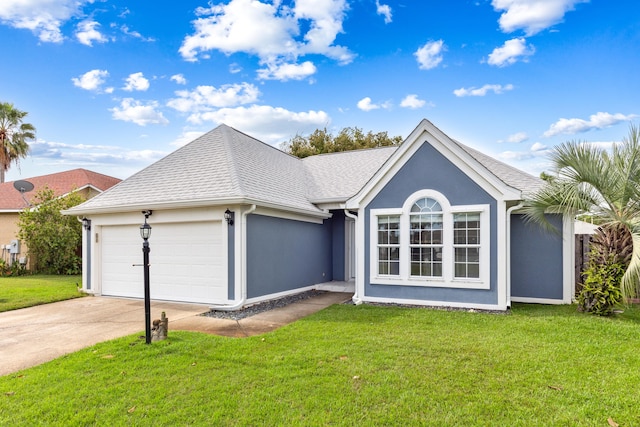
x=429, y=283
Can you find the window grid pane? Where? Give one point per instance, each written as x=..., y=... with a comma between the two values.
x=426, y=239
x=466, y=242
x=389, y=245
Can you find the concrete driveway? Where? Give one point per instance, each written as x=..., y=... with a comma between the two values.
x=31, y=336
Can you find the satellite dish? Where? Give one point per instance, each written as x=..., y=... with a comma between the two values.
x=23, y=186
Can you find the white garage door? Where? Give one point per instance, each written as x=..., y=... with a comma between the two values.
x=187, y=262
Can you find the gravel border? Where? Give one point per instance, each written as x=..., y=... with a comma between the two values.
x=263, y=306
x=439, y=308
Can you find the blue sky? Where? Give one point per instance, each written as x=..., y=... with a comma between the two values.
x=113, y=86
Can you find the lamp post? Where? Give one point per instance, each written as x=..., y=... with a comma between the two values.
x=145, y=232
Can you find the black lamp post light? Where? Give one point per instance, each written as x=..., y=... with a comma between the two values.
x=145, y=233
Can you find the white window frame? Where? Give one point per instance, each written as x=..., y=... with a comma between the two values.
x=448, y=280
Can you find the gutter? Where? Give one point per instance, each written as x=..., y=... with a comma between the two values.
x=243, y=266
x=509, y=212
x=356, y=297
x=79, y=210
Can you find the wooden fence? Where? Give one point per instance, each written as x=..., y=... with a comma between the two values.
x=581, y=258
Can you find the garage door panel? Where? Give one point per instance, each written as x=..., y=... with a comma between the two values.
x=186, y=262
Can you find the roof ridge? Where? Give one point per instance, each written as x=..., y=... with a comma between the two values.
x=358, y=150
x=259, y=141
x=234, y=174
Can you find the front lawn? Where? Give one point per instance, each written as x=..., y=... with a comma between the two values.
x=352, y=366
x=27, y=291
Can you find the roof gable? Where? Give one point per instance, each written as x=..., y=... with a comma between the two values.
x=497, y=178
x=61, y=183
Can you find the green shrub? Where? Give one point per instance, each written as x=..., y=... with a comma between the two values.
x=601, y=292
x=53, y=239
x=11, y=270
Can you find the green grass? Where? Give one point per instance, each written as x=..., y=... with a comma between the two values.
x=27, y=291
x=352, y=366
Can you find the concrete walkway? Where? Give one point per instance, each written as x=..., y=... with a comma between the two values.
x=31, y=336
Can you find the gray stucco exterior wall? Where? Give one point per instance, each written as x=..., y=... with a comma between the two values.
x=284, y=255
x=428, y=169
x=536, y=259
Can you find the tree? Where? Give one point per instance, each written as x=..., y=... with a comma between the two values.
x=590, y=180
x=14, y=135
x=321, y=141
x=52, y=238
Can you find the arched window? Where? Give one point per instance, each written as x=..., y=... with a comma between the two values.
x=425, y=238
x=429, y=242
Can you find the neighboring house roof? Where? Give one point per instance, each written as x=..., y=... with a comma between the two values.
x=61, y=183
x=582, y=227
x=228, y=166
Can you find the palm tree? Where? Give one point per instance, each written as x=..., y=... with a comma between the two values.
x=14, y=135
x=606, y=185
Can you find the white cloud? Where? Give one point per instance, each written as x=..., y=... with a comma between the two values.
x=179, y=79
x=384, y=10
x=510, y=52
x=596, y=121
x=87, y=33
x=532, y=16
x=516, y=138
x=605, y=145
x=136, y=81
x=482, y=91
x=132, y=110
x=80, y=154
x=91, y=80
x=205, y=98
x=43, y=17
x=126, y=30
x=186, y=137
x=412, y=101
x=284, y=72
x=430, y=54
x=273, y=32
x=269, y=124
x=536, y=150
x=538, y=146
x=365, y=104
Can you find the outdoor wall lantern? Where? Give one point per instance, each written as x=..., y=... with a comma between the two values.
x=228, y=217
x=145, y=233
x=86, y=223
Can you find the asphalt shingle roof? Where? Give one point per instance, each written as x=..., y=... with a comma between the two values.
x=225, y=165
x=61, y=183
x=339, y=176
x=511, y=176
x=222, y=165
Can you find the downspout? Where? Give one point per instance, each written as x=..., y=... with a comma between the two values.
x=243, y=266
x=86, y=269
x=509, y=211
x=356, y=298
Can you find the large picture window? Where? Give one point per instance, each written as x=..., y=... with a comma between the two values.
x=429, y=242
x=425, y=238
